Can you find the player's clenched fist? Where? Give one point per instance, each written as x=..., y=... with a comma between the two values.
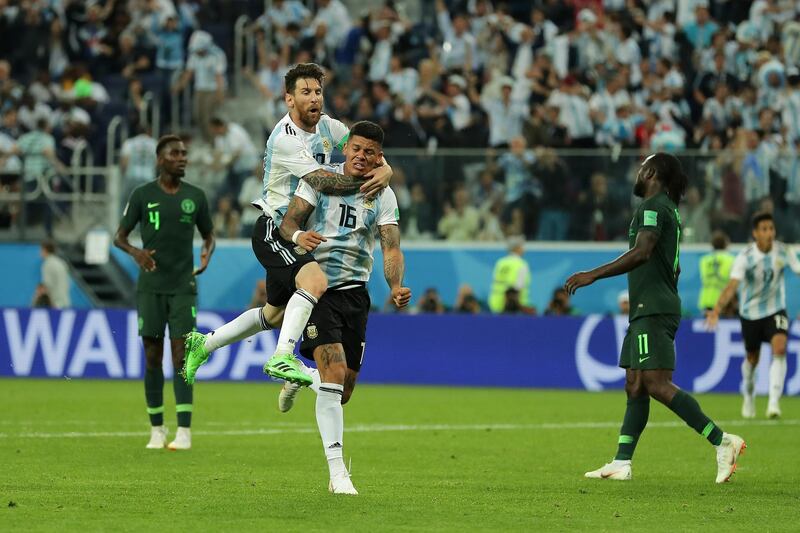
x=310, y=240
x=401, y=296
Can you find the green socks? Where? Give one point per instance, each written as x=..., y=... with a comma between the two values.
x=632, y=426
x=183, y=400
x=688, y=409
x=154, y=395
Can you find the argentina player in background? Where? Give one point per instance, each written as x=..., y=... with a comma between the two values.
x=341, y=232
x=298, y=147
x=758, y=271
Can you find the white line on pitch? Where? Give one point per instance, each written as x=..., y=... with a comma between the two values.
x=382, y=428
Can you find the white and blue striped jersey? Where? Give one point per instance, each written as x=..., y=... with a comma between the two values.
x=762, y=289
x=292, y=153
x=349, y=223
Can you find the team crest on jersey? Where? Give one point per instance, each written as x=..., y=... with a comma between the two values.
x=311, y=331
x=327, y=145
x=369, y=204
x=187, y=206
x=299, y=250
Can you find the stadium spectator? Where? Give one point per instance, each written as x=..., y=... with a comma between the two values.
x=206, y=65
x=466, y=301
x=523, y=190
x=252, y=189
x=430, y=302
x=599, y=216
x=331, y=25
x=696, y=216
x=513, y=306
x=226, y=218
x=461, y=221
x=418, y=222
x=459, y=48
x=510, y=271
x=137, y=160
x=234, y=151
x=560, y=304
x=55, y=276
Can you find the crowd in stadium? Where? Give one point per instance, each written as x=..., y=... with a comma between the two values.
x=717, y=77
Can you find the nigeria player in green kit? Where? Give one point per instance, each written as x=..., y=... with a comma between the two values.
x=167, y=211
x=648, y=351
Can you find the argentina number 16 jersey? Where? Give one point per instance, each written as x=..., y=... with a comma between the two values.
x=349, y=223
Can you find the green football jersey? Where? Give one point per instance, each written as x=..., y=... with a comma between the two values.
x=653, y=286
x=167, y=222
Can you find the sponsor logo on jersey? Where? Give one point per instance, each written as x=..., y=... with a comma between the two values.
x=311, y=331
x=151, y=205
x=188, y=206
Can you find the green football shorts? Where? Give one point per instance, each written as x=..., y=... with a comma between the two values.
x=156, y=311
x=650, y=343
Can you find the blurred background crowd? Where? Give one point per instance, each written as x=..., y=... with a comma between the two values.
x=502, y=118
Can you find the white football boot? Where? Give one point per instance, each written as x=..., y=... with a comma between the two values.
x=158, y=438
x=773, y=410
x=727, y=453
x=287, y=395
x=616, y=470
x=183, y=440
x=749, y=406
x=341, y=484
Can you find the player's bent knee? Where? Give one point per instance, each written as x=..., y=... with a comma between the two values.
x=311, y=278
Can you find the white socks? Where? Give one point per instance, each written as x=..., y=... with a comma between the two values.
x=245, y=325
x=330, y=420
x=777, y=377
x=294, y=320
x=748, y=378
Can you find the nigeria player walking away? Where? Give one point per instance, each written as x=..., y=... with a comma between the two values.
x=648, y=350
x=298, y=147
x=341, y=232
x=167, y=211
x=762, y=309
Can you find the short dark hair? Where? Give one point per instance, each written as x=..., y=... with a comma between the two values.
x=217, y=121
x=669, y=172
x=49, y=246
x=719, y=240
x=302, y=70
x=368, y=130
x=760, y=217
x=165, y=140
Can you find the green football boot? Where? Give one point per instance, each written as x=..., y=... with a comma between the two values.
x=287, y=368
x=196, y=355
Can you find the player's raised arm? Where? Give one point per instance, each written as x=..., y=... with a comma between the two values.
x=712, y=318
x=394, y=264
x=636, y=256
x=296, y=216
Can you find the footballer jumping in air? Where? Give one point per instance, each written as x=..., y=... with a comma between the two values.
x=298, y=147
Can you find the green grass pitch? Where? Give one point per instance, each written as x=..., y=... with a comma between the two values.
x=424, y=458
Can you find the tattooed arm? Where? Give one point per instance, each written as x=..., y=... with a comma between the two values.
x=394, y=264
x=328, y=182
x=295, y=218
